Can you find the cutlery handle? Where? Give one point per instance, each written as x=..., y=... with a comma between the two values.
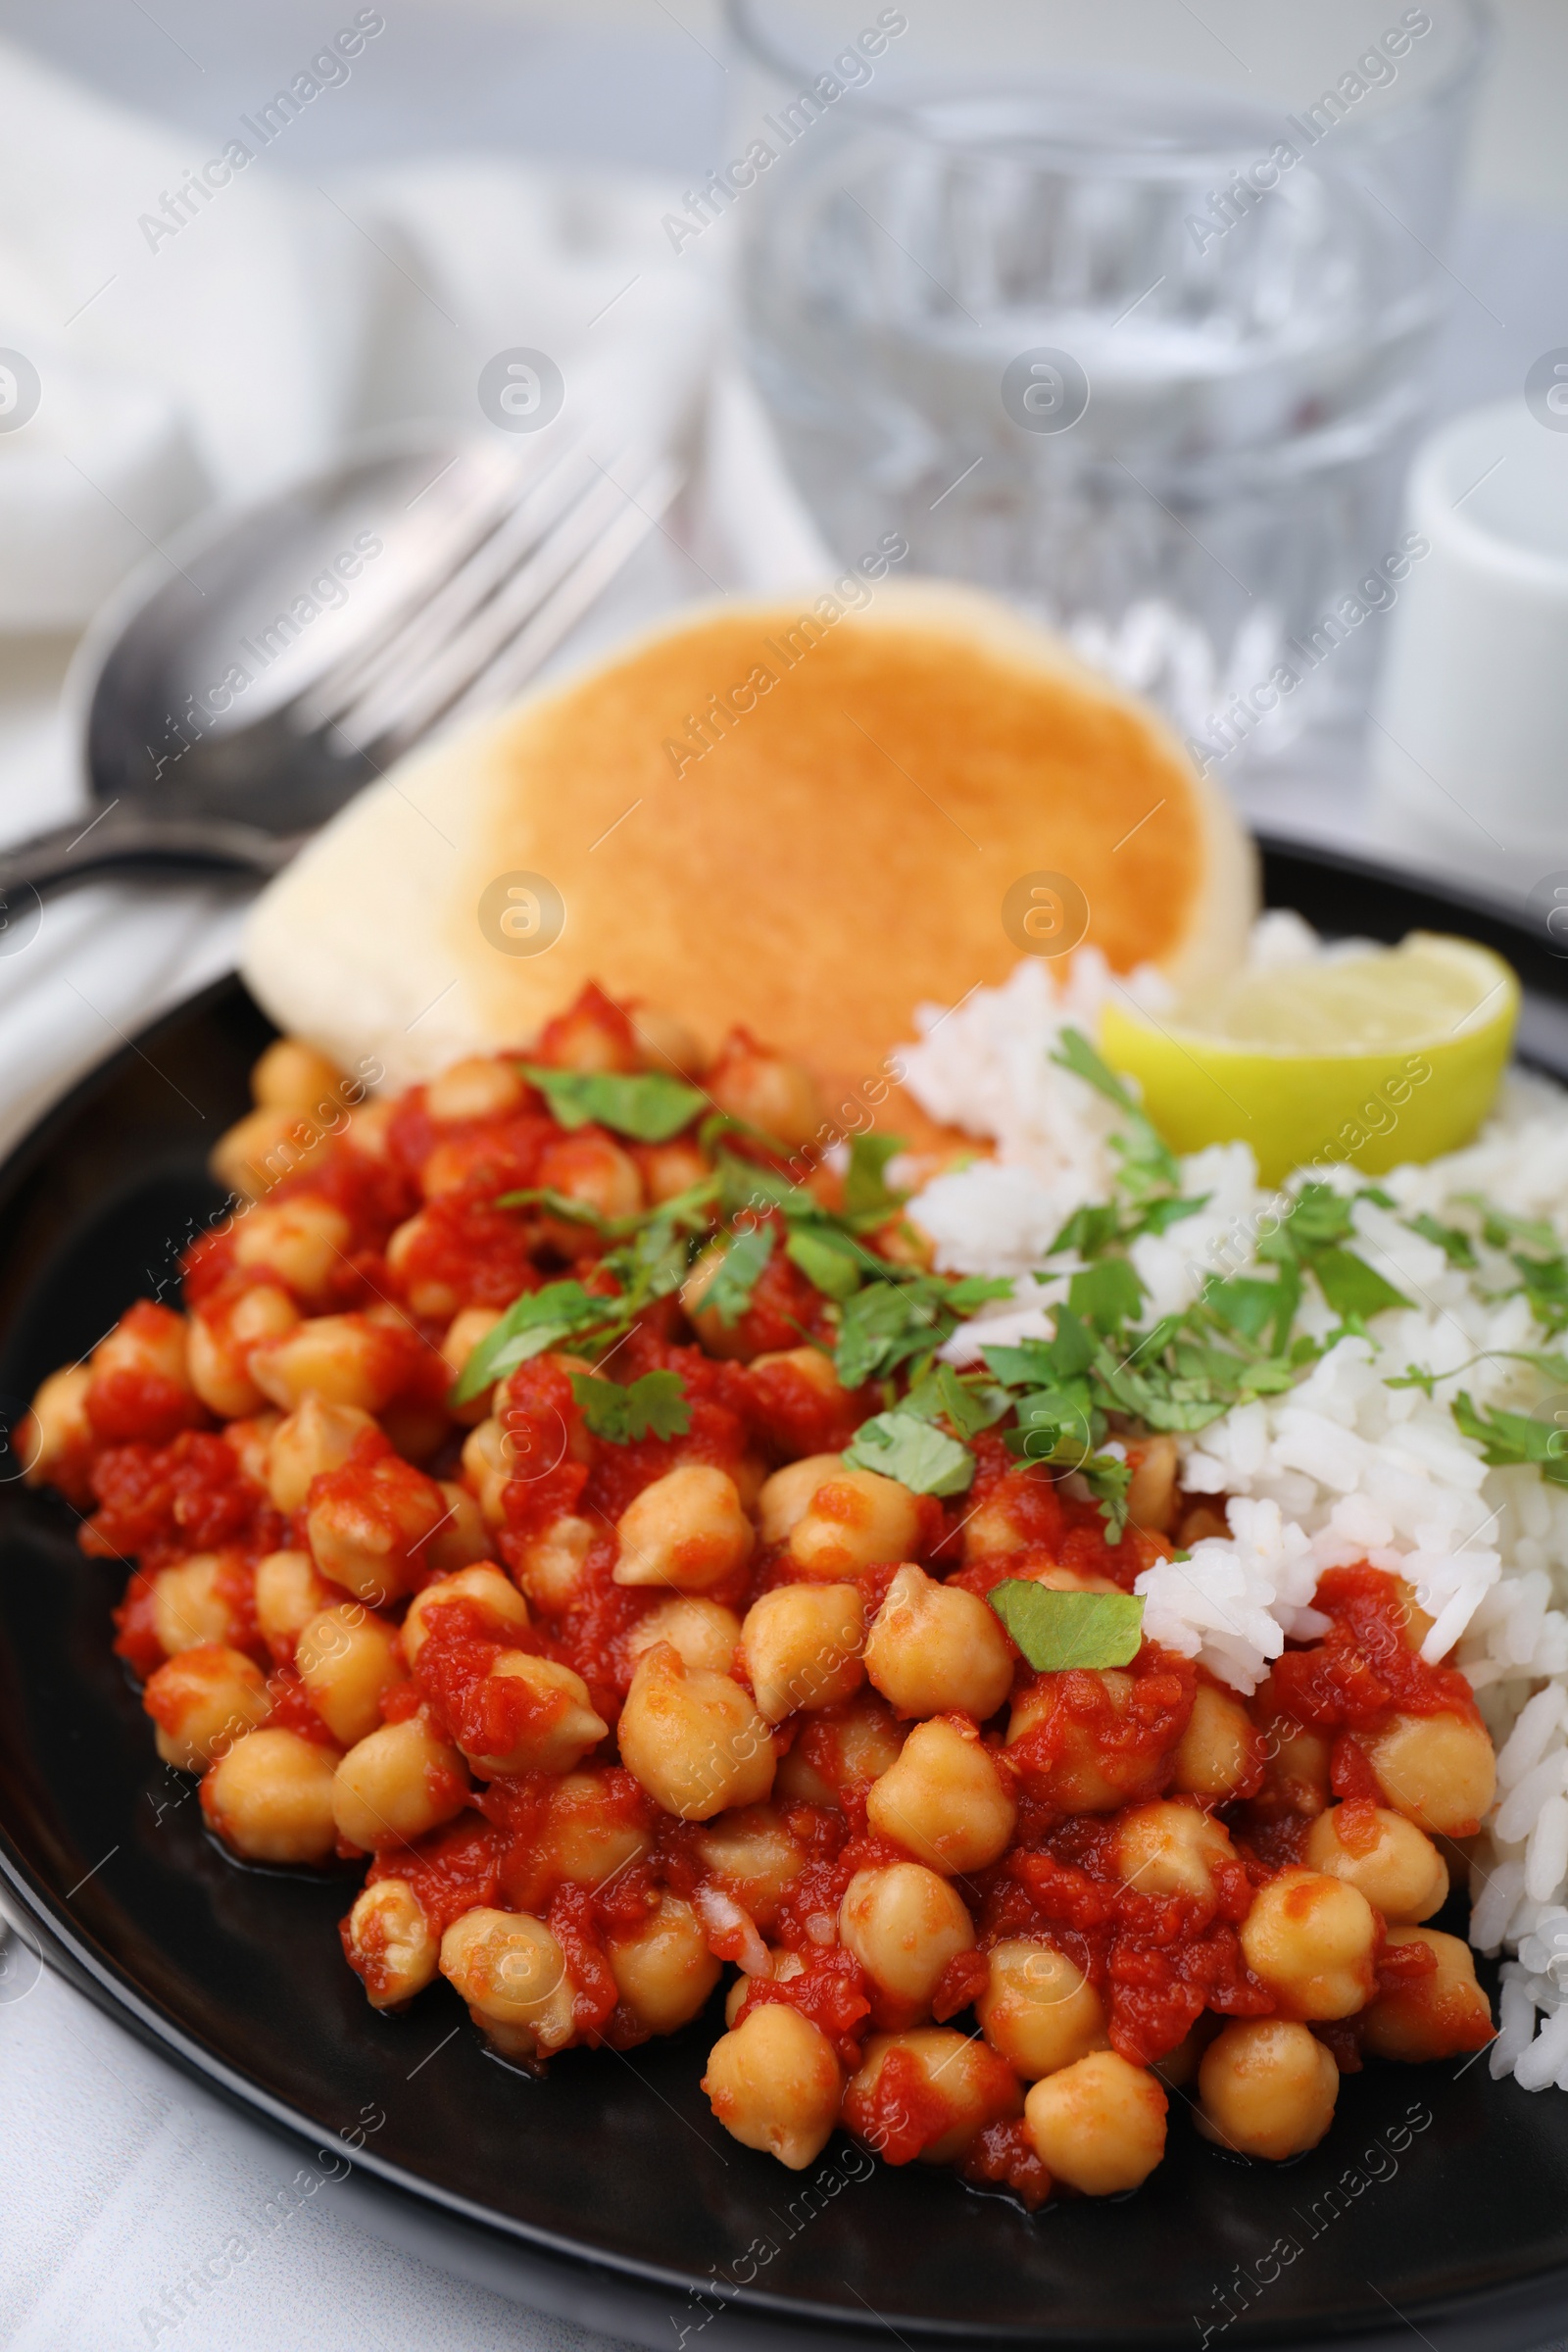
x=123, y=838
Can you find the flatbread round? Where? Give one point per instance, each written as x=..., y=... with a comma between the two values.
x=800, y=817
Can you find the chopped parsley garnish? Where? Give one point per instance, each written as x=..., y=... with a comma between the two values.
x=654, y=1406
x=647, y=1106
x=1455, y=1244
x=532, y=1324
x=729, y=1294
x=922, y=1456
x=1509, y=1440
x=866, y=1190
x=1056, y=1631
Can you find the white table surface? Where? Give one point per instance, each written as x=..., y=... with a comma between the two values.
x=98, y=2138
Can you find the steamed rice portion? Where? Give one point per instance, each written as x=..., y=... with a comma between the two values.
x=1343, y=1467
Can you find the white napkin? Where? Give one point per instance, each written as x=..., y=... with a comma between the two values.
x=277, y=322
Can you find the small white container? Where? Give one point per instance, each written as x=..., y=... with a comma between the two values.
x=1471, y=732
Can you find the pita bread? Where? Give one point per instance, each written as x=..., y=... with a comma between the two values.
x=801, y=817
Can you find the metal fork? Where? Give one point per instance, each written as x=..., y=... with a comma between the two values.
x=224, y=719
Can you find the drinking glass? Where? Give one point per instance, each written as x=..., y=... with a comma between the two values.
x=1122, y=309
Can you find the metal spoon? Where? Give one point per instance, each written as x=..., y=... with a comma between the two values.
x=212, y=694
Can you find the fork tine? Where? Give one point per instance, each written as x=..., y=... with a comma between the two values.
x=453, y=541
x=439, y=598
x=409, y=704
x=538, y=638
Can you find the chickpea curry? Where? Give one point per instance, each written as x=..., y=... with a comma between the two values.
x=551, y=1497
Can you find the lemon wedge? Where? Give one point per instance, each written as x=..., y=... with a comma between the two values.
x=1371, y=1058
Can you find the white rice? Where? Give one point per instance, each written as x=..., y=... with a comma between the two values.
x=1341, y=1468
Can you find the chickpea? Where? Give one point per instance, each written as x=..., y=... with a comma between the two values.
x=662, y=1967
x=1086, y=1774
x=666, y=1042
x=289, y=1594
x=755, y=1858
x=1180, y=2066
x=764, y=1090
x=220, y=1343
x=552, y=1722
x=478, y=1088
x=857, y=1744
x=774, y=2083
x=936, y=1649
x=858, y=1519
x=390, y=1942
x=819, y=1371
x=57, y=1436
x=140, y=1377
x=426, y=1293
x=595, y=1170
x=1099, y=2123
x=1295, y=1768
x=368, y=1130
x=460, y=1540
x=365, y=1534
x=802, y=1645
x=551, y=1564
x=397, y=1783
x=510, y=1970
x=202, y=1701
x=190, y=1607
x=488, y=1465
x=271, y=1797
x=945, y=1800
x=704, y=1632
x=250, y=1441
x=502, y=1606
x=1396, y=1865
x=669, y=1169
x=588, y=1836
x=996, y=1527
x=293, y=1077
x=348, y=1660
x=1434, y=2016
x=1151, y=1496
x=1438, y=1770
x=1170, y=1849
x=1220, y=1754
x=964, y=2087
x=302, y=1240
x=1038, y=2011
x=785, y=1966
x=1267, y=2088
x=903, y=1925
x=686, y=1529
x=463, y=1336
x=1311, y=1938
x=344, y=1360
x=693, y=1740
x=789, y=1493
x=317, y=1438
x=728, y=1340
x=269, y=1144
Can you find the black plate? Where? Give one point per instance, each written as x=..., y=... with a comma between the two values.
x=608, y=2191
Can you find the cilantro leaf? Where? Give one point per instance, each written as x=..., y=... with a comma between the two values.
x=1511, y=1439
x=537, y=1321
x=560, y=1204
x=921, y=1458
x=905, y=1316
x=1056, y=1631
x=647, y=1106
x=828, y=1261
x=866, y=1190
x=1242, y=1305
x=657, y=1406
x=1545, y=1285
x=1456, y=1245
x=1107, y=1296
x=1148, y=1162
x=1350, y=1286
x=740, y=1269
x=970, y=1402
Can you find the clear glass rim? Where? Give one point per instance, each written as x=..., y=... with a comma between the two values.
x=1479, y=15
